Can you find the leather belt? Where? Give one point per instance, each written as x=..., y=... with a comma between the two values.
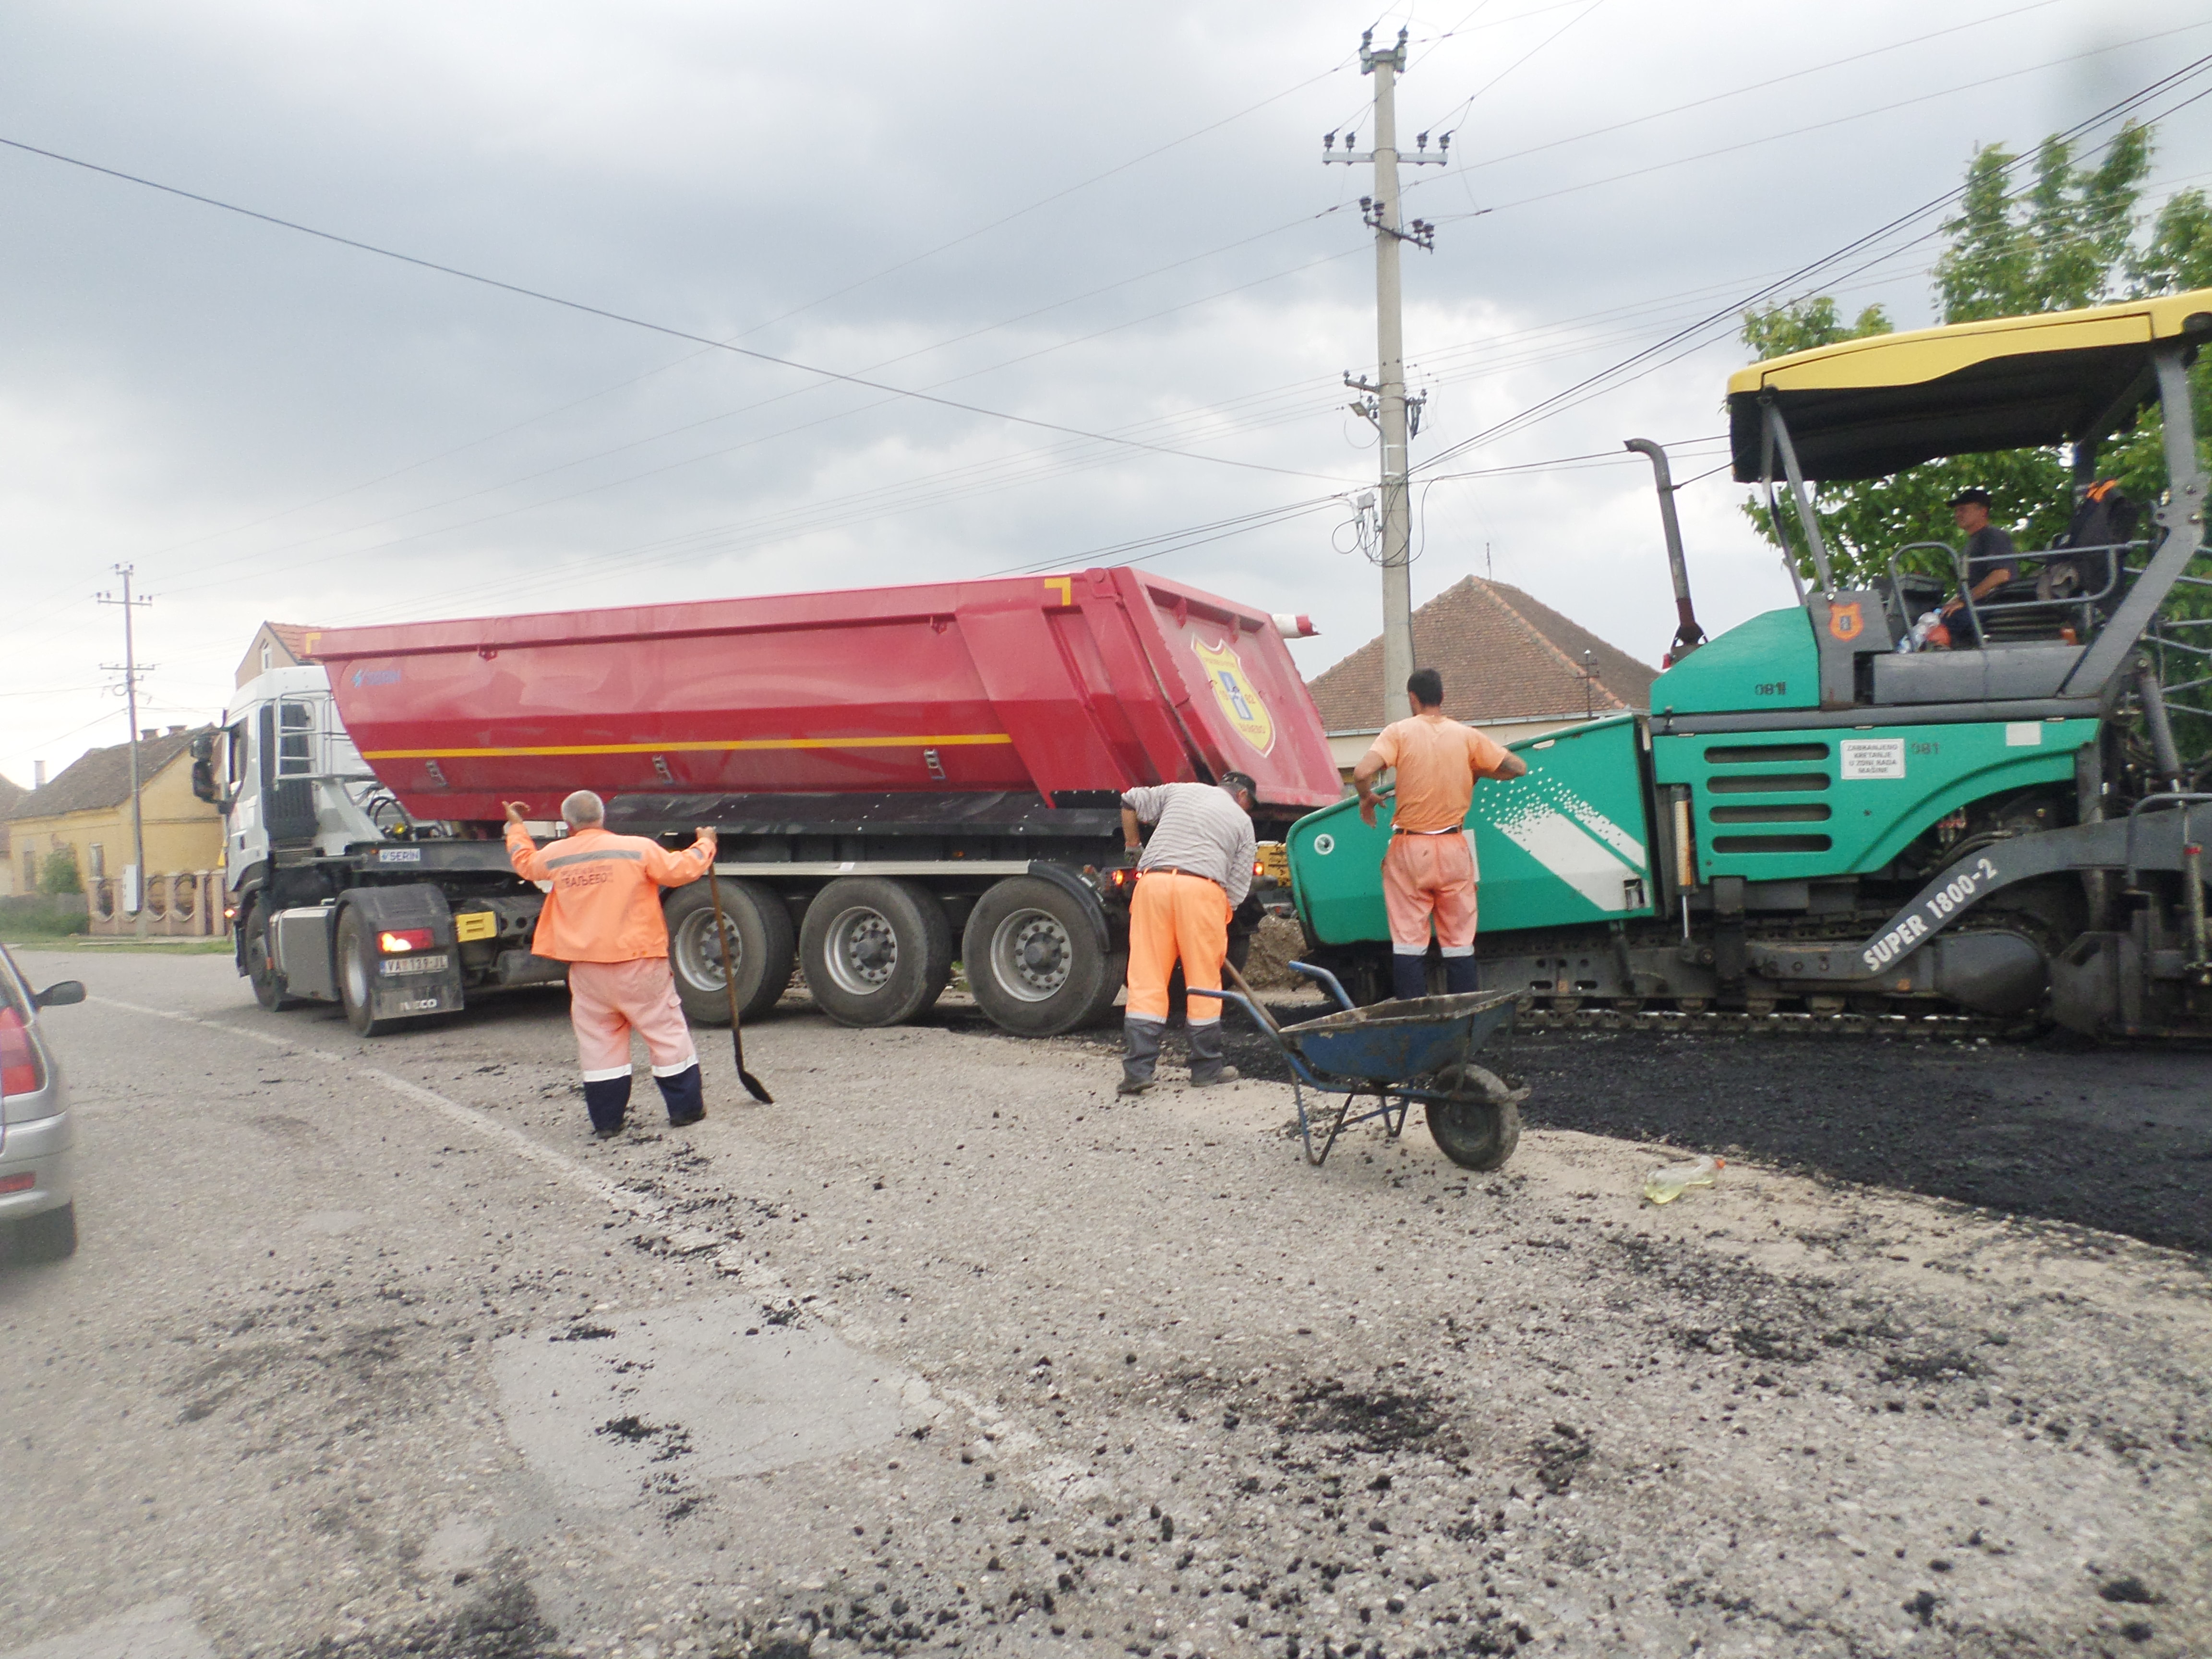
x=1171, y=870
x=1455, y=831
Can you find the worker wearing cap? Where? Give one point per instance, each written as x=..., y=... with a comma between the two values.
x=1429, y=872
x=602, y=917
x=1990, y=558
x=1191, y=876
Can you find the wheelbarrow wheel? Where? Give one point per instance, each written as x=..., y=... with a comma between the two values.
x=1478, y=1125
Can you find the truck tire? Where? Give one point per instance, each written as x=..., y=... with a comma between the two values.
x=353, y=970
x=1033, y=960
x=760, y=931
x=876, y=952
x=260, y=971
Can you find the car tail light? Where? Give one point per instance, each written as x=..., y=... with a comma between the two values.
x=19, y=1183
x=395, y=941
x=21, y=1073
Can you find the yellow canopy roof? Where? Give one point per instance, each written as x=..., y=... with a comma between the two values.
x=1865, y=408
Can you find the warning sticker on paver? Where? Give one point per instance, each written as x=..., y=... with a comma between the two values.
x=1872, y=757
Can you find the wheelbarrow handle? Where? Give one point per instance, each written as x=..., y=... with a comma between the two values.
x=1328, y=980
x=1242, y=1001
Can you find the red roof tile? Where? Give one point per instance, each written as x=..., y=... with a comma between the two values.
x=1504, y=657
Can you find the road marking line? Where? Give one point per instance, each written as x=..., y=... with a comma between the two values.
x=563, y=1168
x=1013, y=1440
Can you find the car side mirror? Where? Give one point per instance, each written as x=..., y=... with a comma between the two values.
x=61, y=993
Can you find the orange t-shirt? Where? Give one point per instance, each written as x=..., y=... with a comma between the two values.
x=1438, y=761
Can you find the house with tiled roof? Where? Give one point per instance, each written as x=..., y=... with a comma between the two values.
x=276, y=645
x=1512, y=666
x=11, y=794
x=86, y=811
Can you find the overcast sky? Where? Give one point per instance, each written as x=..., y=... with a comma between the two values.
x=1112, y=219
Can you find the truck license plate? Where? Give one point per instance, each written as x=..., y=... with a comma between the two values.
x=414, y=965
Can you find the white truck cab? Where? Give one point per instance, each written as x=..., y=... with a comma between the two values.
x=283, y=769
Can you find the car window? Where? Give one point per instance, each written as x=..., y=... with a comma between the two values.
x=14, y=992
x=21, y=1071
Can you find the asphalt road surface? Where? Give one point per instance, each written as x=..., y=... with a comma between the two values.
x=2115, y=1139
x=370, y=1350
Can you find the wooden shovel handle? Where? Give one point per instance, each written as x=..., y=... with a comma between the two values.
x=1253, y=996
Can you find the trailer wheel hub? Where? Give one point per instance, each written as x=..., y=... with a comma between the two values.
x=1031, y=954
x=863, y=950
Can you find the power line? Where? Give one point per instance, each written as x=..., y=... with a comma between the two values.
x=896, y=393
x=936, y=489
x=1558, y=400
x=1797, y=132
x=782, y=432
x=1450, y=122
x=1761, y=85
x=606, y=313
x=914, y=259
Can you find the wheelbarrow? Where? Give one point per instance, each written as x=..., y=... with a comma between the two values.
x=1396, y=1053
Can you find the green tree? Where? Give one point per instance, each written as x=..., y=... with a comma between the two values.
x=2065, y=240
x=58, y=871
x=2175, y=258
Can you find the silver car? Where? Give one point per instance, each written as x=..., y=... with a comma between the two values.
x=37, y=1203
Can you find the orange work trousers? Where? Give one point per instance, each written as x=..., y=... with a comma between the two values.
x=1427, y=878
x=1171, y=917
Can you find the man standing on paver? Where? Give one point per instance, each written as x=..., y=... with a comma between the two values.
x=1191, y=876
x=1428, y=872
x=602, y=917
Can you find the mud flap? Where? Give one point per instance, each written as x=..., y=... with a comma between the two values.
x=416, y=983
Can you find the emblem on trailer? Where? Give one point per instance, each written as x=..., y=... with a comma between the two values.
x=1846, y=622
x=1238, y=700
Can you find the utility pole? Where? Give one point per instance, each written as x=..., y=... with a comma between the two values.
x=129, y=671
x=1385, y=404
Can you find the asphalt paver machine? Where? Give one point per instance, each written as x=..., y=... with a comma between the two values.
x=1812, y=823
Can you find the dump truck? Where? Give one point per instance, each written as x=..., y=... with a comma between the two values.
x=898, y=777
x=1811, y=822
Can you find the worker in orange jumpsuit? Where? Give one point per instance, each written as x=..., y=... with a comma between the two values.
x=1191, y=876
x=602, y=918
x=1429, y=873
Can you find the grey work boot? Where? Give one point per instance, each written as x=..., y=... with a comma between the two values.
x=1140, y=1040
x=1206, y=1066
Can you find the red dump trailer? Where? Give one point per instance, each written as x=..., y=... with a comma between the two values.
x=899, y=776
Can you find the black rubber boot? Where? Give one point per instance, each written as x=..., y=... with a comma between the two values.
x=1409, y=977
x=685, y=1095
x=1461, y=976
x=1206, y=1066
x=1140, y=1040
x=607, y=1100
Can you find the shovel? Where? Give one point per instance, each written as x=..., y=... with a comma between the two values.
x=730, y=984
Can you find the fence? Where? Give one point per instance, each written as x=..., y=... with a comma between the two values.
x=183, y=904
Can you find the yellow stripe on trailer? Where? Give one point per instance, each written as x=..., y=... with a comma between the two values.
x=967, y=739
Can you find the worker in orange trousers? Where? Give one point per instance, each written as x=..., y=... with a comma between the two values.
x=602, y=918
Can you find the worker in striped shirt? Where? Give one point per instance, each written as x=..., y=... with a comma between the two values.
x=1191, y=876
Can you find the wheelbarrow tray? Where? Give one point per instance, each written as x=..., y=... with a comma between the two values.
x=1399, y=1052
x=1398, y=1041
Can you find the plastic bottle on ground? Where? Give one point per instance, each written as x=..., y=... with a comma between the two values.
x=1670, y=1181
